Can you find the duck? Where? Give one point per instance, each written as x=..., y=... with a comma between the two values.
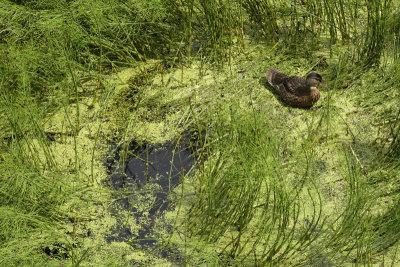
x=296, y=91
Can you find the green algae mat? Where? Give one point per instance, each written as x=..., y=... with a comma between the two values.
x=144, y=133
x=203, y=166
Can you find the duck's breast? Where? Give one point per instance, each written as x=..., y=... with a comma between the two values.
x=315, y=95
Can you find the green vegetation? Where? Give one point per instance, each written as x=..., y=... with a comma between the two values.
x=272, y=185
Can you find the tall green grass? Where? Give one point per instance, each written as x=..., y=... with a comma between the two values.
x=245, y=200
x=211, y=30
x=252, y=199
x=339, y=20
x=259, y=198
x=262, y=13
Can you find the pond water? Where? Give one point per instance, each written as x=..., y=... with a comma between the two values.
x=149, y=174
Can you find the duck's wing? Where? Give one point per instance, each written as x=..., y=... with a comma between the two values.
x=276, y=78
x=296, y=100
x=297, y=85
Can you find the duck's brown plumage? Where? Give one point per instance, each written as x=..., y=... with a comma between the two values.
x=293, y=90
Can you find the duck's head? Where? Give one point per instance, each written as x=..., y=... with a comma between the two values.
x=313, y=79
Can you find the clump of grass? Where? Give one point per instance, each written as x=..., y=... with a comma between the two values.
x=248, y=200
x=209, y=30
x=263, y=14
x=374, y=38
x=31, y=193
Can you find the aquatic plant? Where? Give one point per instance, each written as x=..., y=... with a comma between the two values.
x=272, y=185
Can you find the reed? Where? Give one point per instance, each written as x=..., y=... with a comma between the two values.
x=244, y=198
x=374, y=39
x=263, y=14
x=259, y=198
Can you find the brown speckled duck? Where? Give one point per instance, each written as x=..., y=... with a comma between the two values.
x=296, y=91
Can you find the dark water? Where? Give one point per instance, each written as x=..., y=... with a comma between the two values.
x=161, y=166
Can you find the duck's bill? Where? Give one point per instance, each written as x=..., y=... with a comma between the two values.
x=324, y=85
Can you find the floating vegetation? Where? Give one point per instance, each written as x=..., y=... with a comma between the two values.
x=272, y=185
x=159, y=169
